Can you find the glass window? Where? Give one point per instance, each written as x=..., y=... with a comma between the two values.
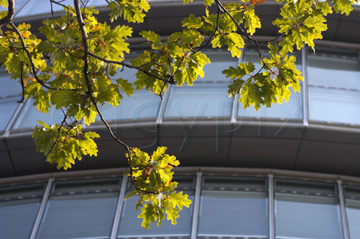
x=142, y=105
x=36, y=7
x=7, y=109
x=80, y=209
x=233, y=208
x=29, y=117
x=9, y=87
x=353, y=215
x=130, y=225
x=207, y=98
x=334, y=88
x=9, y=95
x=352, y=201
x=311, y=213
x=18, y=209
x=291, y=110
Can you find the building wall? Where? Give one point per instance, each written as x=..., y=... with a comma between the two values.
x=250, y=174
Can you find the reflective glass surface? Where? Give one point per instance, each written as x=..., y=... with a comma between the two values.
x=308, y=217
x=353, y=216
x=18, y=209
x=142, y=105
x=82, y=211
x=233, y=207
x=130, y=225
x=207, y=98
x=291, y=110
x=334, y=88
x=17, y=218
x=36, y=7
x=29, y=117
x=7, y=109
x=9, y=95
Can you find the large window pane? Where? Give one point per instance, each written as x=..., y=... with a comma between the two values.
x=353, y=215
x=7, y=109
x=80, y=210
x=352, y=200
x=233, y=209
x=9, y=95
x=29, y=117
x=9, y=87
x=291, y=110
x=35, y=7
x=18, y=208
x=142, y=105
x=307, y=211
x=207, y=99
x=130, y=225
x=334, y=88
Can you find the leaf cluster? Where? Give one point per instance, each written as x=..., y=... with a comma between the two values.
x=153, y=183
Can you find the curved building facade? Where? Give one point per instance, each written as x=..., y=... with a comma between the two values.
x=286, y=172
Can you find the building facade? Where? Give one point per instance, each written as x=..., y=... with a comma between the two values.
x=286, y=172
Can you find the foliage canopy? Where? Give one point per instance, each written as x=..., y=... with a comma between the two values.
x=73, y=68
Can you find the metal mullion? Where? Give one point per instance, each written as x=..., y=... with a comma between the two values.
x=344, y=221
x=271, y=207
x=196, y=206
x=305, y=90
x=42, y=208
x=13, y=119
x=163, y=105
x=119, y=207
x=20, y=7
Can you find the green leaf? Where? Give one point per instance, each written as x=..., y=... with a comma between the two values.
x=148, y=214
x=125, y=86
x=235, y=44
x=192, y=22
x=150, y=36
x=252, y=21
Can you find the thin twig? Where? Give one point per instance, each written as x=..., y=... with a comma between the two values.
x=33, y=68
x=22, y=83
x=128, y=66
x=58, y=137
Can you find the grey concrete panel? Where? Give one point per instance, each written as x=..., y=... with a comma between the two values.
x=267, y=29
x=333, y=134
x=348, y=32
x=195, y=129
x=329, y=157
x=111, y=154
x=209, y=151
x=2, y=145
x=330, y=33
x=6, y=169
x=129, y=131
x=288, y=130
x=263, y=153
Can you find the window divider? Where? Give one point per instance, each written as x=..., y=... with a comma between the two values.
x=42, y=208
x=196, y=206
x=119, y=207
x=271, y=206
x=343, y=216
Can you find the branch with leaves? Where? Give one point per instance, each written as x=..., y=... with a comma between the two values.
x=77, y=64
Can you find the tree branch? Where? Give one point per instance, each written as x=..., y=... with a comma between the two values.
x=32, y=65
x=9, y=17
x=22, y=83
x=87, y=80
x=129, y=66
